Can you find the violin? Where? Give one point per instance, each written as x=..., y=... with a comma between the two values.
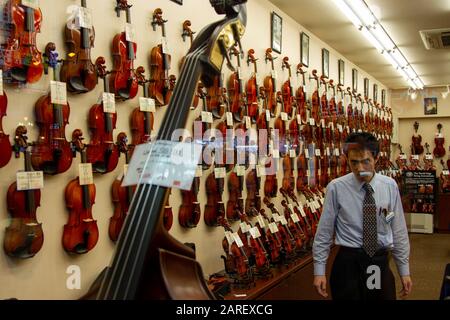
x=294, y=227
x=287, y=90
x=187, y=33
x=225, y=127
x=270, y=84
x=22, y=60
x=272, y=238
x=288, y=182
x=439, y=150
x=159, y=64
x=444, y=178
x=271, y=182
x=252, y=88
x=81, y=231
x=121, y=196
x=189, y=213
x=302, y=170
x=24, y=236
x=51, y=153
x=216, y=100
x=102, y=152
x=142, y=119
x=235, y=202
x=201, y=126
x=315, y=100
x=263, y=121
x=236, y=91
x=5, y=145
x=417, y=140
x=77, y=70
x=253, y=185
x=303, y=224
x=300, y=95
x=280, y=125
x=214, y=208
x=123, y=80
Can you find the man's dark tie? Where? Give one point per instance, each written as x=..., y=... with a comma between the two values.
x=370, y=236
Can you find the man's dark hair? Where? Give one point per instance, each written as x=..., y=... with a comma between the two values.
x=362, y=141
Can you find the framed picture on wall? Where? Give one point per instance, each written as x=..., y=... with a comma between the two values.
x=304, y=49
x=325, y=62
x=180, y=2
x=430, y=105
x=341, y=69
x=366, y=88
x=383, y=97
x=276, y=32
x=375, y=92
x=355, y=79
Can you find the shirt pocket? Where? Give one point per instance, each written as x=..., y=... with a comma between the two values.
x=383, y=226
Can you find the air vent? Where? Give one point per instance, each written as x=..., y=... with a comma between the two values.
x=436, y=38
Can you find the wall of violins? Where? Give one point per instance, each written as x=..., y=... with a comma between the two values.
x=71, y=223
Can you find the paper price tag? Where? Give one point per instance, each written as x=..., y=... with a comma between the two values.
x=446, y=172
x=207, y=117
x=261, y=221
x=322, y=123
x=248, y=122
x=307, y=173
x=306, y=153
x=299, y=119
x=276, y=154
x=274, y=75
x=1, y=82
x=240, y=170
x=439, y=135
x=237, y=239
x=130, y=32
x=276, y=217
x=302, y=212
x=29, y=180
x=339, y=126
x=273, y=227
x=229, y=117
x=199, y=172
x=230, y=239
x=336, y=152
x=415, y=157
x=292, y=153
x=267, y=115
x=260, y=171
x=327, y=151
x=317, y=152
x=284, y=116
x=164, y=45
x=312, y=122
x=147, y=104
x=84, y=16
x=295, y=217
x=85, y=174
x=317, y=204
x=31, y=3
x=58, y=92
x=291, y=207
x=109, y=102
x=220, y=173
x=255, y=233
x=244, y=227
x=283, y=220
x=403, y=157
x=428, y=157
x=238, y=72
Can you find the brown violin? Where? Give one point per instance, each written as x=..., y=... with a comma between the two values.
x=235, y=202
x=77, y=70
x=102, y=152
x=439, y=140
x=270, y=84
x=253, y=185
x=217, y=101
x=236, y=91
x=300, y=95
x=81, y=232
x=271, y=182
x=123, y=80
x=159, y=64
x=5, y=144
x=417, y=140
x=214, y=208
x=22, y=60
x=315, y=100
x=24, y=236
x=201, y=126
x=287, y=89
x=273, y=239
x=252, y=88
x=51, y=153
x=189, y=213
x=121, y=196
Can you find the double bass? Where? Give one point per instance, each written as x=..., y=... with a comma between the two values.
x=77, y=70
x=5, y=145
x=24, y=236
x=22, y=59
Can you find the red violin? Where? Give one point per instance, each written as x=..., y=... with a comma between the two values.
x=5, y=145
x=439, y=150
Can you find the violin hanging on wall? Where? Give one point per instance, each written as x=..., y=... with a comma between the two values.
x=24, y=237
x=270, y=84
x=439, y=150
x=77, y=70
x=22, y=59
x=5, y=144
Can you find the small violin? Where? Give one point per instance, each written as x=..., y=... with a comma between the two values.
x=252, y=88
x=5, y=145
x=287, y=89
x=270, y=84
x=189, y=212
x=439, y=140
x=236, y=89
x=214, y=208
x=235, y=202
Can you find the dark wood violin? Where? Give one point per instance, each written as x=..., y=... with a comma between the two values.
x=271, y=182
x=287, y=90
x=190, y=211
x=5, y=144
x=444, y=178
x=439, y=140
x=300, y=95
x=202, y=126
x=272, y=237
x=24, y=236
x=142, y=119
x=294, y=226
x=156, y=265
x=280, y=125
x=187, y=33
x=159, y=63
x=235, y=202
x=51, y=153
x=315, y=99
x=236, y=92
x=77, y=70
x=121, y=196
x=214, y=207
x=22, y=60
x=270, y=84
x=252, y=88
x=417, y=140
x=253, y=199
x=123, y=80
x=81, y=232
x=102, y=152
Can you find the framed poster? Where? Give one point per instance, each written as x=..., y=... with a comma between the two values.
x=325, y=62
x=430, y=105
x=366, y=88
x=276, y=32
x=341, y=68
x=375, y=93
x=383, y=97
x=180, y=2
x=304, y=49
x=355, y=79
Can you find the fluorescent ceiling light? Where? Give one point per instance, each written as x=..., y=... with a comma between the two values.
x=349, y=13
x=372, y=39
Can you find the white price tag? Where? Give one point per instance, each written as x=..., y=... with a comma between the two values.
x=292, y=153
x=415, y=157
x=230, y=239
x=322, y=123
x=284, y=116
x=147, y=104
x=240, y=170
x=238, y=71
x=295, y=217
x=276, y=154
x=267, y=115
x=109, y=102
x=164, y=45
x=283, y=220
x=31, y=3
x=403, y=156
x=229, y=117
x=312, y=122
x=317, y=152
x=446, y=172
x=85, y=174
x=302, y=212
x=207, y=117
x=255, y=233
x=261, y=221
x=307, y=173
x=273, y=227
x=429, y=157
x=1, y=82
x=327, y=151
x=237, y=239
x=220, y=173
x=339, y=126
x=260, y=171
x=248, y=122
x=439, y=135
x=84, y=16
x=58, y=91
x=275, y=217
x=130, y=32
x=164, y=163
x=306, y=153
x=299, y=119
x=244, y=227
x=316, y=202
x=29, y=180
x=199, y=172
x=336, y=152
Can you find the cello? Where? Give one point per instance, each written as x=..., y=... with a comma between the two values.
x=51, y=153
x=5, y=145
x=102, y=152
x=77, y=70
x=439, y=150
x=22, y=59
x=81, y=232
x=162, y=267
x=123, y=80
x=24, y=237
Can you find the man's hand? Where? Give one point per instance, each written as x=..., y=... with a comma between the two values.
x=407, y=286
x=320, y=282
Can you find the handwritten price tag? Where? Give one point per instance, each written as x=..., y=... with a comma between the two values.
x=85, y=17
x=237, y=239
x=261, y=221
x=273, y=227
x=109, y=102
x=267, y=115
x=207, y=117
x=29, y=180
x=85, y=174
x=147, y=104
x=306, y=153
x=220, y=173
x=260, y=171
x=292, y=153
x=130, y=32
x=164, y=45
x=244, y=227
x=284, y=116
x=240, y=170
x=283, y=220
x=255, y=233
x=229, y=116
x=302, y=212
x=58, y=92
x=229, y=237
x=295, y=217
x=317, y=152
x=248, y=122
x=274, y=75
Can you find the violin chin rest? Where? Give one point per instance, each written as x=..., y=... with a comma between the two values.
x=76, y=84
x=19, y=74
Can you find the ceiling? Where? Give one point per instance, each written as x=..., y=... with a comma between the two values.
x=402, y=20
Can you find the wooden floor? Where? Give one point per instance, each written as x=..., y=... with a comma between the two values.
x=430, y=253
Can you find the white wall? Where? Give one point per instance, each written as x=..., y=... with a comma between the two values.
x=44, y=276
